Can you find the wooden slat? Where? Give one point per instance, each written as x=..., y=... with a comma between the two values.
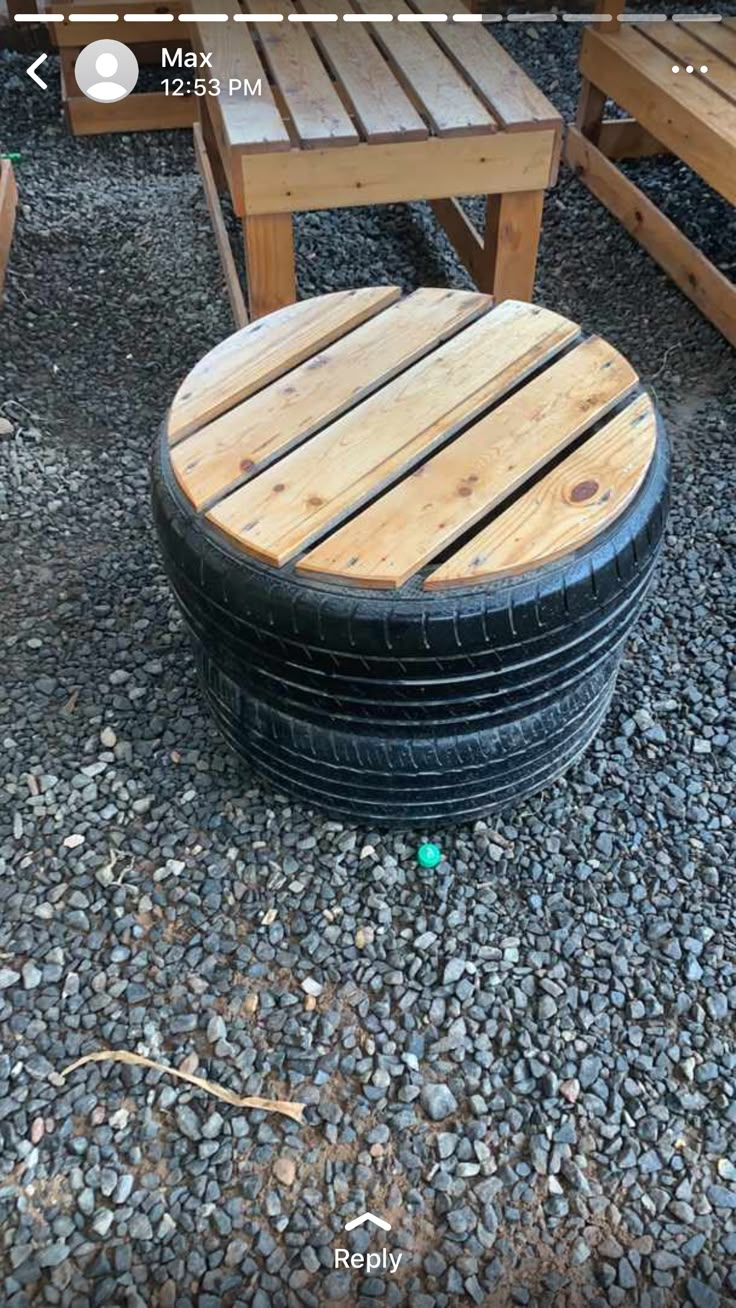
x=317, y=485
x=719, y=37
x=387, y=174
x=464, y=235
x=382, y=109
x=147, y=111
x=450, y=105
x=714, y=295
x=689, y=117
x=513, y=99
x=8, y=204
x=232, y=284
x=242, y=123
x=315, y=108
x=566, y=508
x=624, y=138
x=262, y=351
x=685, y=48
x=243, y=440
x=399, y=533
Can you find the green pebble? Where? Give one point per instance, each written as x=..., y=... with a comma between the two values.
x=429, y=855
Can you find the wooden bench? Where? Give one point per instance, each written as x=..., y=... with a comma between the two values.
x=354, y=112
x=8, y=203
x=143, y=111
x=297, y=437
x=692, y=115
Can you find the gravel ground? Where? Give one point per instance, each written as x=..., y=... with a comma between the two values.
x=525, y=1059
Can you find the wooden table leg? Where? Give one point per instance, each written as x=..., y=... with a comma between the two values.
x=589, y=115
x=269, y=262
x=513, y=225
x=211, y=145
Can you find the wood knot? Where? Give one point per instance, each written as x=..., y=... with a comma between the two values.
x=585, y=490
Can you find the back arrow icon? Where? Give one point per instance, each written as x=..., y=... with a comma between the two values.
x=32, y=72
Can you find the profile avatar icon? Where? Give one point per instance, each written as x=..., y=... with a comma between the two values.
x=106, y=71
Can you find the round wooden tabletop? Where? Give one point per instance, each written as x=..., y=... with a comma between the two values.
x=366, y=438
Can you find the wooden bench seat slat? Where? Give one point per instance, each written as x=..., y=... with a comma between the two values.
x=249, y=123
x=685, y=48
x=382, y=108
x=264, y=350
x=315, y=108
x=284, y=509
x=568, y=507
x=500, y=83
x=240, y=442
x=407, y=528
x=719, y=38
x=691, y=118
x=451, y=106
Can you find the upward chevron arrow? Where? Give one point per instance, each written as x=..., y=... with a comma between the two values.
x=368, y=1217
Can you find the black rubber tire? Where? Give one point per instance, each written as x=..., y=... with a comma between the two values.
x=336, y=653
x=407, y=706
x=394, y=781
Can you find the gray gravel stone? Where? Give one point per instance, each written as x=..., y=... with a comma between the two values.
x=438, y=1101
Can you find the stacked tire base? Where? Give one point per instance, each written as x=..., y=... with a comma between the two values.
x=408, y=708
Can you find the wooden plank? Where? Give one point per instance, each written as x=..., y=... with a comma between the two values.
x=264, y=350
x=464, y=236
x=232, y=283
x=720, y=38
x=147, y=111
x=380, y=106
x=405, y=529
x=512, y=231
x=316, y=486
x=714, y=295
x=421, y=66
x=684, y=47
x=691, y=119
x=8, y=205
x=624, y=138
x=315, y=108
x=244, y=440
x=502, y=86
x=241, y=123
x=388, y=174
x=569, y=506
x=589, y=111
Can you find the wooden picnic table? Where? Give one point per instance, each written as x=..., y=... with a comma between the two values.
x=362, y=109
x=689, y=114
